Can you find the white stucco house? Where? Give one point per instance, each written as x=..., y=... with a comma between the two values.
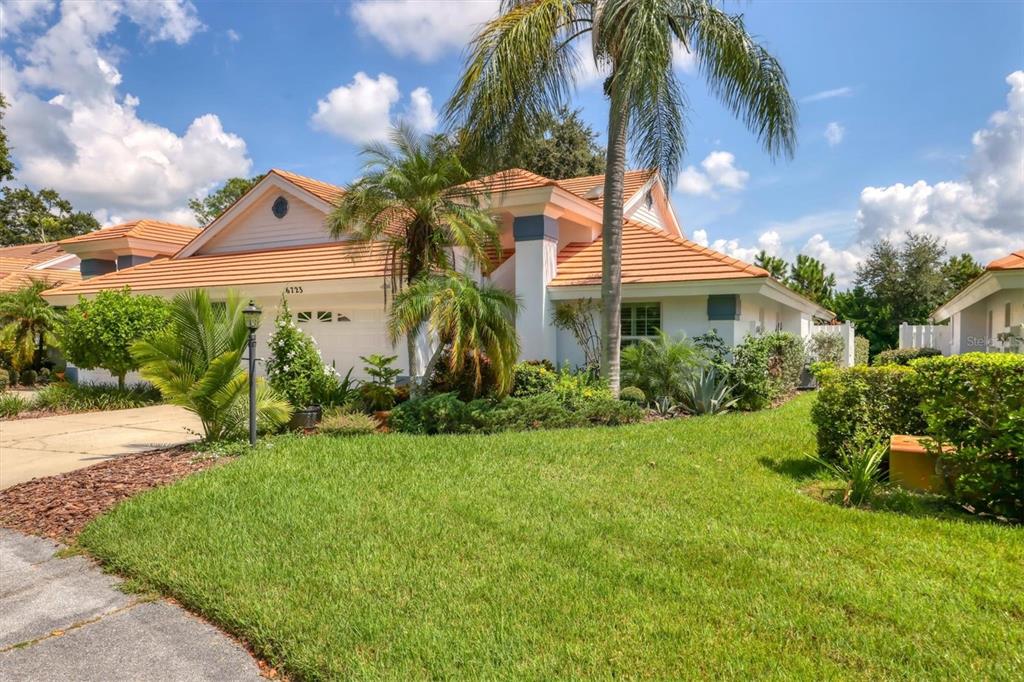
x=988, y=315
x=273, y=242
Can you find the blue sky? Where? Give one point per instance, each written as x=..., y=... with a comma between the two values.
x=155, y=104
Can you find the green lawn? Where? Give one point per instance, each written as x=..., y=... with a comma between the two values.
x=669, y=550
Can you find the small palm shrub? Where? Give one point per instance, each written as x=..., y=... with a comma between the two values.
x=860, y=468
x=348, y=424
x=12, y=405
x=196, y=363
x=707, y=392
x=659, y=367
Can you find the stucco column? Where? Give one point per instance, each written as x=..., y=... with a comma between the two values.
x=536, y=263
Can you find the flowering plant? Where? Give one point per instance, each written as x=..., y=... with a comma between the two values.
x=295, y=368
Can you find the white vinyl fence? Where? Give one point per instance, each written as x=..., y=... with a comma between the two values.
x=846, y=332
x=926, y=336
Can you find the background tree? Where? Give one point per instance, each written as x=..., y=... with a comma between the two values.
x=6, y=164
x=27, y=217
x=959, y=271
x=808, y=277
x=474, y=323
x=561, y=146
x=207, y=209
x=412, y=198
x=777, y=267
x=522, y=65
x=196, y=362
x=25, y=321
x=101, y=332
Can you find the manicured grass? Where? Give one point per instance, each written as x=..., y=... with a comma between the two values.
x=672, y=550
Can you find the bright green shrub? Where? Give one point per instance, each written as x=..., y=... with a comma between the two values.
x=976, y=403
x=767, y=367
x=543, y=411
x=632, y=394
x=607, y=411
x=348, y=424
x=661, y=366
x=903, y=356
x=12, y=404
x=532, y=378
x=27, y=377
x=860, y=402
x=295, y=368
x=861, y=350
x=576, y=389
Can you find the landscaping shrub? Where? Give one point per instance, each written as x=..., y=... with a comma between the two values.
x=379, y=395
x=860, y=402
x=295, y=368
x=903, y=356
x=575, y=389
x=607, y=411
x=707, y=392
x=441, y=413
x=12, y=377
x=4, y=379
x=43, y=376
x=348, y=424
x=659, y=367
x=767, y=367
x=825, y=347
x=11, y=405
x=632, y=394
x=87, y=397
x=532, y=378
x=715, y=350
x=976, y=403
x=861, y=350
x=859, y=466
x=27, y=377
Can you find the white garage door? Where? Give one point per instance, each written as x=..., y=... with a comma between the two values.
x=346, y=334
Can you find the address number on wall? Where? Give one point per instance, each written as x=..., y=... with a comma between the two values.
x=293, y=290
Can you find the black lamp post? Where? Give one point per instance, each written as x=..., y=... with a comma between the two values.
x=252, y=313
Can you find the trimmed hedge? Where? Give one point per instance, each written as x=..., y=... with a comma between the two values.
x=903, y=356
x=874, y=401
x=861, y=350
x=767, y=367
x=975, y=402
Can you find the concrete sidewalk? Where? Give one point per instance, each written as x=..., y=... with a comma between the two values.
x=64, y=619
x=31, y=448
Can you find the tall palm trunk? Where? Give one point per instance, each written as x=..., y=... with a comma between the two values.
x=611, y=241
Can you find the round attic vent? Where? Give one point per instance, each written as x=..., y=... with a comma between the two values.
x=280, y=207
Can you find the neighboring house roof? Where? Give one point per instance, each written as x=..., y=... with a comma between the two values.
x=37, y=253
x=650, y=255
x=149, y=230
x=318, y=188
x=1015, y=261
x=589, y=187
x=344, y=260
x=47, y=262
x=53, y=277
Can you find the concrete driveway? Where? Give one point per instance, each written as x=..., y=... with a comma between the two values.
x=31, y=448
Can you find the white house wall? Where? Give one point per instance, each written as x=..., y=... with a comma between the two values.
x=259, y=228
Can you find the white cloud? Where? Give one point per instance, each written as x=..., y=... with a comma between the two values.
x=834, y=133
x=18, y=14
x=359, y=112
x=981, y=214
x=233, y=35
x=845, y=91
x=425, y=29
x=422, y=114
x=87, y=141
x=719, y=172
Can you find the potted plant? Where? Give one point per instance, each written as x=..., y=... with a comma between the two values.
x=379, y=394
x=296, y=370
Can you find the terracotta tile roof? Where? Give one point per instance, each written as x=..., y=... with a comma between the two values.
x=37, y=253
x=1015, y=261
x=150, y=230
x=322, y=190
x=650, y=255
x=53, y=277
x=344, y=260
x=587, y=187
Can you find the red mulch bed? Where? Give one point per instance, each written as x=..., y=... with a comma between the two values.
x=58, y=507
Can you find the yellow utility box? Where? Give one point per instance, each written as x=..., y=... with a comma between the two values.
x=913, y=467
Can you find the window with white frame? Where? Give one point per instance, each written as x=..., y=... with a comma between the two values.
x=640, y=321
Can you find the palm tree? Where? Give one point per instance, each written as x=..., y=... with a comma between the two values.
x=523, y=64
x=413, y=197
x=27, y=318
x=471, y=322
x=196, y=363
